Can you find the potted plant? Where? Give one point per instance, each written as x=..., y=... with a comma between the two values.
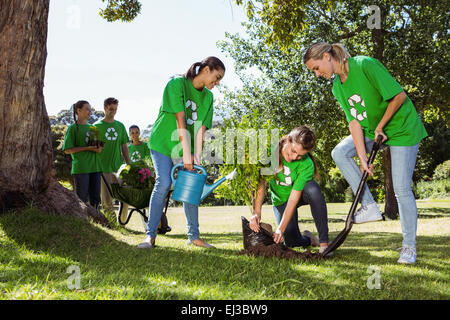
x=94, y=137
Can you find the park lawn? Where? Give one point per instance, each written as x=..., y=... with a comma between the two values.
x=41, y=253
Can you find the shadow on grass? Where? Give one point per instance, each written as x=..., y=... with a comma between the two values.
x=445, y=211
x=108, y=263
x=423, y=213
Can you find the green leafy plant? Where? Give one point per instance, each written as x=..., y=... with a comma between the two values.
x=138, y=175
x=94, y=137
x=442, y=171
x=244, y=186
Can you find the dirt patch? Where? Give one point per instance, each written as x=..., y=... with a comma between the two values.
x=260, y=244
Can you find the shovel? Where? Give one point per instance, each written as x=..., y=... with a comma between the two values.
x=349, y=221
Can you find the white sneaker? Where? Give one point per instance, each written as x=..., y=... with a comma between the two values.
x=408, y=255
x=148, y=243
x=368, y=213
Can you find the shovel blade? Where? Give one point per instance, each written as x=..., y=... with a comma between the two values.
x=336, y=243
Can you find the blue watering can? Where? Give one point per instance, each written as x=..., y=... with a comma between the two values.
x=191, y=186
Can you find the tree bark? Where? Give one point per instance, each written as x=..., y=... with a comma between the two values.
x=26, y=174
x=391, y=206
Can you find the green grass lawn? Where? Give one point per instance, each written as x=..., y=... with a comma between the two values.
x=39, y=253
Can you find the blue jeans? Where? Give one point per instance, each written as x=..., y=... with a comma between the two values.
x=311, y=195
x=87, y=187
x=403, y=161
x=163, y=166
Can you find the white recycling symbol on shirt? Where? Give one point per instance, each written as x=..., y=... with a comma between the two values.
x=194, y=116
x=287, y=178
x=111, y=134
x=135, y=156
x=87, y=137
x=354, y=99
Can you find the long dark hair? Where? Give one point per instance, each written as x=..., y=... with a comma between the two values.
x=301, y=135
x=77, y=105
x=212, y=62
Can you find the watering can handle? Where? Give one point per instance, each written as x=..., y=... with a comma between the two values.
x=203, y=170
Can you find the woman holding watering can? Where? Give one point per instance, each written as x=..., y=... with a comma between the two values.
x=185, y=114
x=375, y=105
x=292, y=186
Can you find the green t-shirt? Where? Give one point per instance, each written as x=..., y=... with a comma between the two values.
x=180, y=95
x=85, y=161
x=139, y=152
x=114, y=135
x=294, y=176
x=365, y=95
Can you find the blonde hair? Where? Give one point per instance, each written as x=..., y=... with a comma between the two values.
x=336, y=50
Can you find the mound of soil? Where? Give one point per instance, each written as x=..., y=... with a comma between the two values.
x=261, y=244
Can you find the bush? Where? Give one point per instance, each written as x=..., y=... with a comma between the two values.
x=442, y=171
x=437, y=189
x=334, y=186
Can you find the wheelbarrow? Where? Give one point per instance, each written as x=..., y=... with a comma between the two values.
x=138, y=200
x=350, y=217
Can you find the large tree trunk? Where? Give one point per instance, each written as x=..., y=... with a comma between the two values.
x=26, y=174
x=391, y=206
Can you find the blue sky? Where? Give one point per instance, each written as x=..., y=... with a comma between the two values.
x=92, y=59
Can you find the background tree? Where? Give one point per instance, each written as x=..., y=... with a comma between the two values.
x=26, y=156
x=65, y=117
x=62, y=163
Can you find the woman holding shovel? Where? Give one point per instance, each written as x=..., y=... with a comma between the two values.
x=374, y=105
x=185, y=114
x=291, y=187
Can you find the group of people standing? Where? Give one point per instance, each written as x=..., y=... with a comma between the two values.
x=373, y=103
x=91, y=162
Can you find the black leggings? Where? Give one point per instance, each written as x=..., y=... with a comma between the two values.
x=313, y=196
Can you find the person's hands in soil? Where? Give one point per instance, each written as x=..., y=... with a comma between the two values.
x=254, y=222
x=278, y=236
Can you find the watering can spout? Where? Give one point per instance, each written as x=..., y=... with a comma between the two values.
x=208, y=188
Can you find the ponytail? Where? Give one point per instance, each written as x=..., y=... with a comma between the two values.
x=340, y=54
x=75, y=115
x=193, y=71
x=281, y=143
x=212, y=63
x=78, y=105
